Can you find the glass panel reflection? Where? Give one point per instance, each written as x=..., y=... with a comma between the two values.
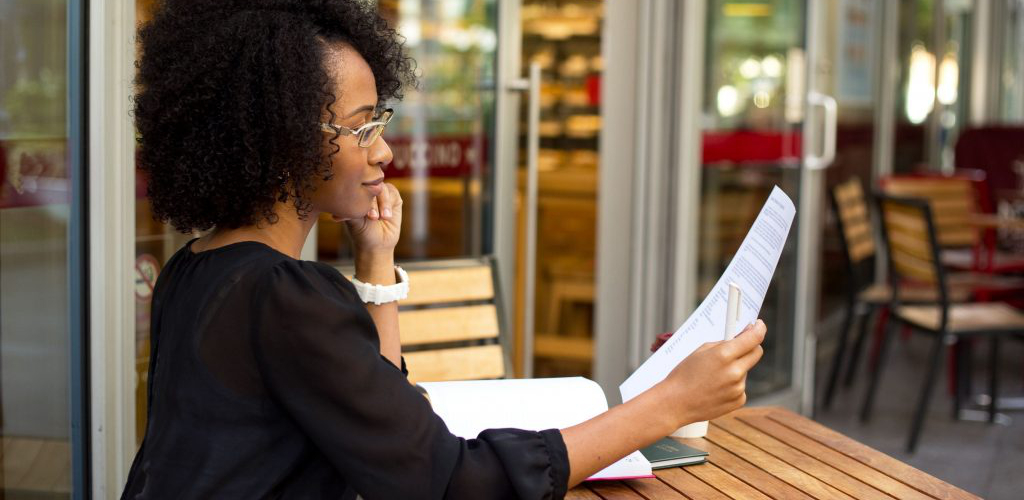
x=753, y=99
x=564, y=39
x=34, y=216
x=442, y=133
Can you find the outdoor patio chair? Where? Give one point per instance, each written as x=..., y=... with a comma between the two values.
x=450, y=323
x=864, y=294
x=954, y=201
x=911, y=239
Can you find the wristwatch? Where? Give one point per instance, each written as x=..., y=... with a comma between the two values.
x=382, y=294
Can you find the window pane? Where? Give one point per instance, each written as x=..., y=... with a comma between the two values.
x=441, y=134
x=754, y=87
x=34, y=220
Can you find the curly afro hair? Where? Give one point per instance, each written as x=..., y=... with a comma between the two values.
x=230, y=96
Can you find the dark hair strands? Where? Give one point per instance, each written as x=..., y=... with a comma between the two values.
x=230, y=94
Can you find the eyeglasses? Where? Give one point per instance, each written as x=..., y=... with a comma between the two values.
x=367, y=133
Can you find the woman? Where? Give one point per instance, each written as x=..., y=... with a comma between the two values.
x=271, y=376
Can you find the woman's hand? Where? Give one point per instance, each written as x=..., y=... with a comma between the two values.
x=374, y=237
x=377, y=232
x=712, y=381
x=708, y=383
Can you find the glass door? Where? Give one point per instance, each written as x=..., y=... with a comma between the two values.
x=563, y=41
x=442, y=135
x=762, y=127
x=43, y=389
x=752, y=140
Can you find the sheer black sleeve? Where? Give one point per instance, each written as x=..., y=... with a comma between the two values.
x=318, y=352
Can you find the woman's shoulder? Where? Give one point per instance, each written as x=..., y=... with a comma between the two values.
x=314, y=297
x=256, y=269
x=304, y=276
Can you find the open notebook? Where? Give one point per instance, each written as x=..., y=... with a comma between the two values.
x=469, y=407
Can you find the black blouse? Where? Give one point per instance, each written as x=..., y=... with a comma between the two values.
x=266, y=381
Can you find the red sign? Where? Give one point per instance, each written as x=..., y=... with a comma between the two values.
x=437, y=156
x=748, y=146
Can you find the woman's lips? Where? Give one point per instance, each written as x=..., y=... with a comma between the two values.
x=375, y=186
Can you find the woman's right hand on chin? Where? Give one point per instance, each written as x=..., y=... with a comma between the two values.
x=712, y=381
x=378, y=231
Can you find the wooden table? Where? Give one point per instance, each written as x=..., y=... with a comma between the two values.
x=758, y=453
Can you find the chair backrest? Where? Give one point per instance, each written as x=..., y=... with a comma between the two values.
x=952, y=201
x=911, y=239
x=450, y=324
x=855, y=232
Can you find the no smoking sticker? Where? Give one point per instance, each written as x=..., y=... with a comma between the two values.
x=147, y=268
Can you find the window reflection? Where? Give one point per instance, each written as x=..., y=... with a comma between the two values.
x=442, y=133
x=34, y=215
x=752, y=110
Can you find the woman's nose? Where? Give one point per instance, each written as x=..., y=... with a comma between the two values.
x=380, y=152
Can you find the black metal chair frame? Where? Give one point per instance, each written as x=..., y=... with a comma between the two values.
x=856, y=309
x=942, y=336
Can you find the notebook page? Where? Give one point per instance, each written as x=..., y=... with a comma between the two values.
x=751, y=268
x=471, y=406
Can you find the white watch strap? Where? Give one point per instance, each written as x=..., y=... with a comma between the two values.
x=382, y=294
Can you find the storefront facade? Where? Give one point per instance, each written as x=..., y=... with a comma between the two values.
x=608, y=155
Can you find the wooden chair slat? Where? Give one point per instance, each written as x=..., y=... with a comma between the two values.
x=914, y=268
x=912, y=255
x=952, y=201
x=855, y=220
x=854, y=209
x=857, y=230
x=970, y=317
x=897, y=218
x=929, y=186
x=459, y=363
x=849, y=190
x=862, y=250
x=910, y=245
x=433, y=286
x=957, y=237
x=425, y=326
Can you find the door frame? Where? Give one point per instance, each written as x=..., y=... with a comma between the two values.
x=506, y=165
x=646, y=198
x=111, y=206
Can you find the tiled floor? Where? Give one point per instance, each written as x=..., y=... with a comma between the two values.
x=987, y=460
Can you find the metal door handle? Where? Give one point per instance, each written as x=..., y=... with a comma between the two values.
x=531, y=85
x=828, y=153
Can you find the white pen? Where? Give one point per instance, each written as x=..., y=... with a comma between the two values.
x=732, y=311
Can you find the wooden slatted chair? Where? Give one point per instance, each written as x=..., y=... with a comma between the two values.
x=955, y=202
x=864, y=295
x=911, y=238
x=952, y=202
x=450, y=323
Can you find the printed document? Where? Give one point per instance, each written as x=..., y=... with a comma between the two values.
x=751, y=268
